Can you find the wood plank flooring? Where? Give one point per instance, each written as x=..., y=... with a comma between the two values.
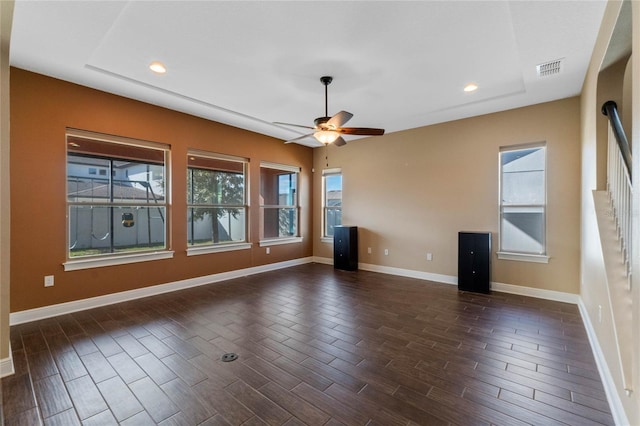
x=316, y=346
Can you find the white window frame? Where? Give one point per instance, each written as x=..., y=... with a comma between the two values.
x=222, y=246
x=514, y=255
x=326, y=173
x=111, y=259
x=265, y=242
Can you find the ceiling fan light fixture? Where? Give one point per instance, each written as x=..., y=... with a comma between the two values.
x=326, y=136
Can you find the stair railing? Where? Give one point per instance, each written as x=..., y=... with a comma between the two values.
x=619, y=182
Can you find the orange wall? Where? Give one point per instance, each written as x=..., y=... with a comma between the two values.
x=41, y=109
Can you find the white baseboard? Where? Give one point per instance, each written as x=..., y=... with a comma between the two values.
x=557, y=296
x=409, y=273
x=538, y=293
x=324, y=260
x=6, y=365
x=108, y=299
x=617, y=409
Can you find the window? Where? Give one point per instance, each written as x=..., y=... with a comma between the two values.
x=331, y=200
x=123, y=210
x=523, y=203
x=216, y=201
x=278, y=202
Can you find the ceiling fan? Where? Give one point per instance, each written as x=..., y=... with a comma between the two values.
x=329, y=129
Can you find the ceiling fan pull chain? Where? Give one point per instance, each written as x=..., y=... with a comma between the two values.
x=326, y=154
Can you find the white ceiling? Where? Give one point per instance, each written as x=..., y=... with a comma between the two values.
x=396, y=65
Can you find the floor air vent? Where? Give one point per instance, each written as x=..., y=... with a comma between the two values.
x=548, y=69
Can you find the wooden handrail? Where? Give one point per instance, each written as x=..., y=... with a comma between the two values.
x=610, y=109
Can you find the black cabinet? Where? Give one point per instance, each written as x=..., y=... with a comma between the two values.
x=345, y=248
x=474, y=261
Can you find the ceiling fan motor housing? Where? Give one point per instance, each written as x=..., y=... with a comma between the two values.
x=326, y=80
x=320, y=121
x=329, y=129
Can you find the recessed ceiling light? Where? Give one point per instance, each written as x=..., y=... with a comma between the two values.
x=471, y=87
x=158, y=67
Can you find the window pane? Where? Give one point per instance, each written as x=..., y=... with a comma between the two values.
x=523, y=200
x=523, y=230
x=526, y=187
x=129, y=182
x=278, y=202
x=104, y=229
x=287, y=189
x=211, y=184
x=278, y=187
x=229, y=225
x=333, y=218
x=523, y=176
x=333, y=190
x=116, y=196
x=280, y=222
x=222, y=183
x=332, y=202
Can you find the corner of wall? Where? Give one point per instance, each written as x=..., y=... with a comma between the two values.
x=6, y=18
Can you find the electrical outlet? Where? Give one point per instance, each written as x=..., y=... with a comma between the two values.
x=268, y=250
x=48, y=281
x=429, y=257
x=369, y=250
x=386, y=252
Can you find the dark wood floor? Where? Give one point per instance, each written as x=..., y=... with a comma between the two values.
x=316, y=346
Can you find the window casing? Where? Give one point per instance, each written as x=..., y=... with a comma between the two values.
x=523, y=203
x=279, y=209
x=331, y=201
x=122, y=210
x=216, y=202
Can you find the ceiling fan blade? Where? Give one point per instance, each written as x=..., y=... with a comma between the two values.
x=294, y=125
x=339, y=119
x=299, y=138
x=339, y=142
x=365, y=131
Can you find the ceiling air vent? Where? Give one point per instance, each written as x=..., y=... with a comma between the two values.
x=549, y=68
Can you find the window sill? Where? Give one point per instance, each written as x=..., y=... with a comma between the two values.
x=98, y=262
x=536, y=258
x=278, y=241
x=326, y=239
x=195, y=251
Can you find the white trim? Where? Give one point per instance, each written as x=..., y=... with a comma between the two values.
x=6, y=365
x=74, y=265
x=216, y=156
x=323, y=260
x=278, y=241
x=103, y=137
x=538, y=293
x=334, y=171
x=195, y=251
x=523, y=257
x=326, y=240
x=617, y=409
x=276, y=166
x=109, y=299
x=428, y=276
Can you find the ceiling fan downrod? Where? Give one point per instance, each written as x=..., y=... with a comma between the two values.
x=326, y=80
